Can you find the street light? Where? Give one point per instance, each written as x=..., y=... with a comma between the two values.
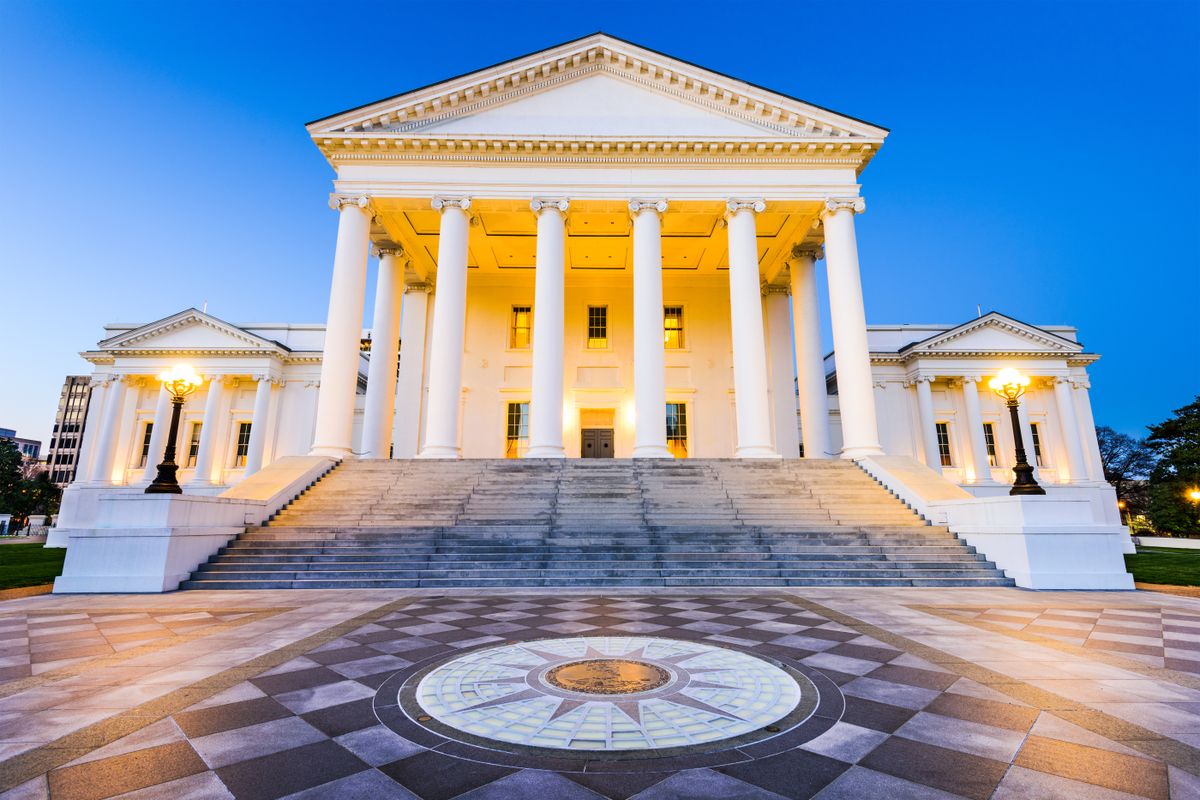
x=1193, y=495
x=180, y=381
x=1010, y=385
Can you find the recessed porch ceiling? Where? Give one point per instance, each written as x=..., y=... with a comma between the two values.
x=503, y=234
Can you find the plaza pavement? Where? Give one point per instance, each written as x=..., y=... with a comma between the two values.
x=975, y=693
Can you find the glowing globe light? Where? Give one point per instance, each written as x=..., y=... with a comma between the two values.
x=1009, y=384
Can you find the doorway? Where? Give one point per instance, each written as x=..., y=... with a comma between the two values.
x=596, y=443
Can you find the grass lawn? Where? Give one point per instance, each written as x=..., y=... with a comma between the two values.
x=29, y=564
x=1165, y=565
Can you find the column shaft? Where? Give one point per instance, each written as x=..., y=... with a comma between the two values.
x=209, y=431
x=746, y=320
x=860, y=432
x=91, y=431
x=110, y=428
x=1068, y=423
x=410, y=386
x=783, y=372
x=810, y=364
x=449, y=317
x=380, y=408
x=649, y=359
x=258, y=425
x=158, y=436
x=334, y=431
x=979, y=456
x=546, y=406
x=929, y=441
x=1027, y=437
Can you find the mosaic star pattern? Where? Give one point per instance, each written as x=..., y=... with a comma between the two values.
x=502, y=693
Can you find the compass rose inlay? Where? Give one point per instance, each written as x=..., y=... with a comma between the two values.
x=607, y=693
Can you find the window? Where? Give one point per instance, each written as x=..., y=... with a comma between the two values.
x=989, y=442
x=194, y=444
x=597, y=333
x=943, y=441
x=673, y=327
x=146, y=434
x=516, y=439
x=1035, y=430
x=243, y=444
x=677, y=440
x=521, y=327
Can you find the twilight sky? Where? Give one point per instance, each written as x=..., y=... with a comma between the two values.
x=1043, y=162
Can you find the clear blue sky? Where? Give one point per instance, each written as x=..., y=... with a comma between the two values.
x=1043, y=160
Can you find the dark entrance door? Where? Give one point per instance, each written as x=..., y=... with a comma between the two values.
x=597, y=443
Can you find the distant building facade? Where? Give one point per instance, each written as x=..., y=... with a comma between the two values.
x=31, y=449
x=62, y=457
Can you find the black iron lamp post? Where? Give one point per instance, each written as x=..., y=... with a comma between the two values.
x=180, y=382
x=1010, y=385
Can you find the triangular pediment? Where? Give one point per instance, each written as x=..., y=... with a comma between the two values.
x=994, y=332
x=192, y=330
x=599, y=87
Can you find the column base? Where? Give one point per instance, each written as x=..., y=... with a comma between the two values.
x=331, y=452
x=652, y=451
x=439, y=451
x=545, y=451
x=756, y=451
x=855, y=453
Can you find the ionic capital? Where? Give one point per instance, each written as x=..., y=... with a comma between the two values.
x=970, y=380
x=339, y=201
x=856, y=205
x=418, y=286
x=539, y=204
x=387, y=250
x=442, y=203
x=734, y=206
x=639, y=206
x=813, y=252
x=775, y=288
x=924, y=379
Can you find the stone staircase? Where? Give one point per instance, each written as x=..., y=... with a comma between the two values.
x=603, y=522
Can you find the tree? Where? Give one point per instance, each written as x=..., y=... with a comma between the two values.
x=10, y=477
x=1176, y=443
x=1127, y=464
x=21, y=495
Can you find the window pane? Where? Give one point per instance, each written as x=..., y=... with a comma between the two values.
x=521, y=330
x=517, y=430
x=943, y=438
x=243, y=445
x=1036, y=433
x=194, y=444
x=673, y=327
x=989, y=439
x=677, y=429
x=597, y=332
x=145, y=444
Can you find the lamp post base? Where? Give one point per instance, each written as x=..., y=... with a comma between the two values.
x=165, y=481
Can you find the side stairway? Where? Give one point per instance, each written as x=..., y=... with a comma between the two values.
x=480, y=523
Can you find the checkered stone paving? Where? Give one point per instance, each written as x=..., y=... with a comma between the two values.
x=908, y=722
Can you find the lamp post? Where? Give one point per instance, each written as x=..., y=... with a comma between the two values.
x=180, y=381
x=1010, y=385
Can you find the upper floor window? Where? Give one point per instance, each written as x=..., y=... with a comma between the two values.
x=673, y=327
x=989, y=442
x=1035, y=431
x=520, y=328
x=146, y=434
x=243, y=444
x=516, y=437
x=677, y=429
x=597, y=332
x=943, y=442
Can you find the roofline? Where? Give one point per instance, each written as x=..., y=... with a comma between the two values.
x=580, y=39
x=989, y=313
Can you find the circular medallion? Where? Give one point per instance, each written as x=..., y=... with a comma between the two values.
x=607, y=676
x=607, y=693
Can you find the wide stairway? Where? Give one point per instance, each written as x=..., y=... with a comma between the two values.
x=602, y=522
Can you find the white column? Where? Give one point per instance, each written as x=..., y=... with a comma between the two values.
x=258, y=424
x=209, y=432
x=810, y=364
x=783, y=371
x=110, y=429
x=1027, y=437
x=343, y=329
x=158, y=436
x=91, y=430
x=746, y=320
x=856, y=400
x=449, y=317
x=546, y=403
x=928, y=423
x=979, y=456
x=410, y=386
x=1087, y=427
x=1068, y=423
x=649, y=358
x=380, y=405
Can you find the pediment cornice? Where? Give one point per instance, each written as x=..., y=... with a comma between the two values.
x=951, y=342
x=140, y=339
x=779, y=127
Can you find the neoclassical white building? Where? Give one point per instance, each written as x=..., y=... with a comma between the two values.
x=598, y=250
